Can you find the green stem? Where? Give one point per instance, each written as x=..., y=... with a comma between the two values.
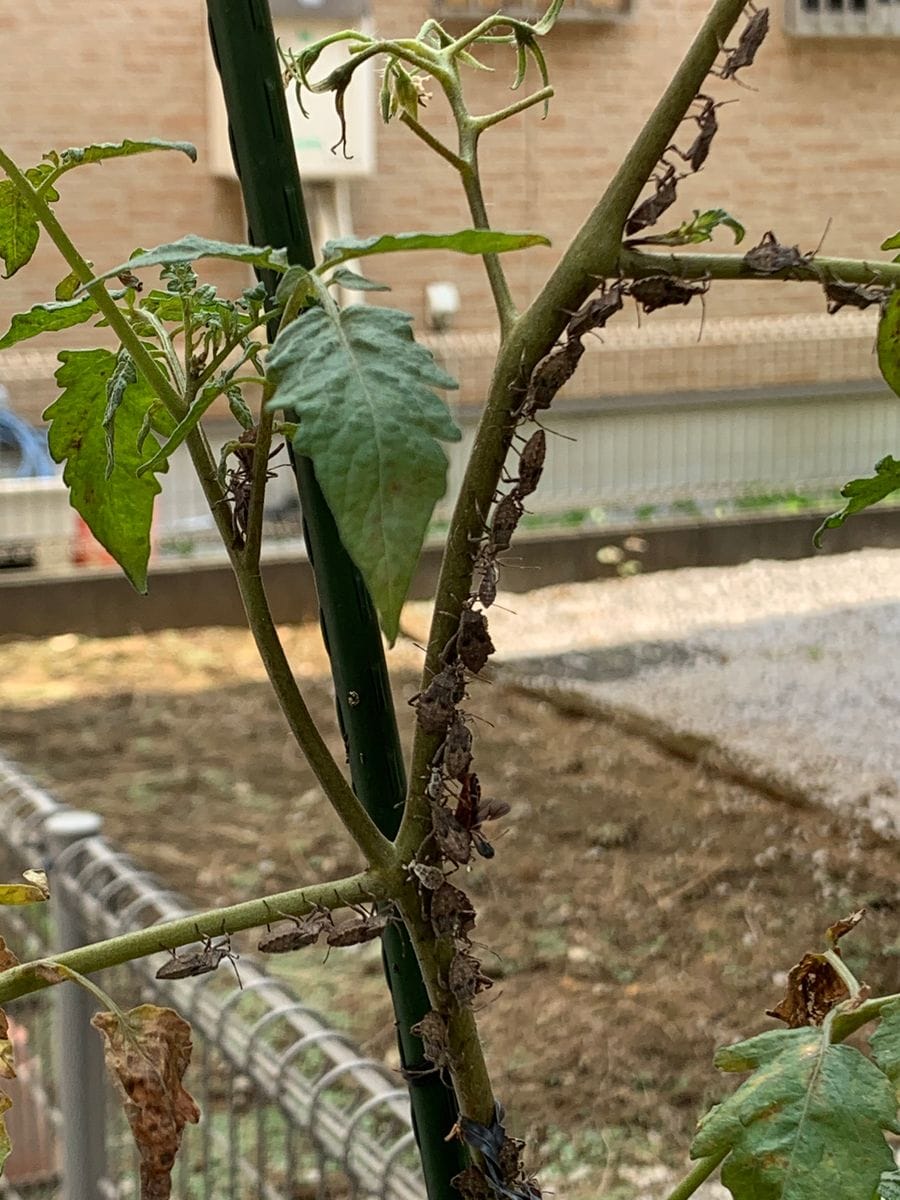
x=485, y=122
x=636, y=264
x=354, y=889
x=430, y=140
x=700, y=1173
x=253, y=543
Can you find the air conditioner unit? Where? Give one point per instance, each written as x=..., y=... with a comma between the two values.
x=297, y=25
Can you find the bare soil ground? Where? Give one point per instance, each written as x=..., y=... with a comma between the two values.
x=639, y=912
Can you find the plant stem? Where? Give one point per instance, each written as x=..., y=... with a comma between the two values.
x=253, y=542
x=354, y=889
x=485, y=122
x=471, y=181
x=700, y=1173
x=636, y=264
x=434, y=143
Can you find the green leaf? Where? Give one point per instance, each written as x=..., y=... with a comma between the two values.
x=356, y=283
x=892, y=243
x=369, y=419
x=67, y=286
x=863, y=493
x=77, y=156
x=191, y=247
x=885, y=1043
x=19, y=229
x=48, y=318
x=808, y=1123
x=466, y=241
x=889, y=1186
x=698, y=229
x=118, y=509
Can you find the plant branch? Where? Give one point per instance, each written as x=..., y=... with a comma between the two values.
x=253, y=541
x=434, y=143
x=354, y=889
x=485, y=122
x=636, y=264
x=701, y=1172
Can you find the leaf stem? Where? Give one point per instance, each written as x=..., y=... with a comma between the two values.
x=636, y=264
x=434, y=143
x=485, y=122
x=354, y=889
x=701, y=1172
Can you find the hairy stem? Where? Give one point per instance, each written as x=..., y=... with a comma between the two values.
x=354, y=889
x=485, y=122
x=700, y=1173
x=431, y=141
x=636, y=264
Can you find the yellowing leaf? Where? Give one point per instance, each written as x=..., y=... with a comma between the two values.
x=147, y=1059
x=7, y=1054
x=5, y=1144
x=7, y=958
x=26, y=893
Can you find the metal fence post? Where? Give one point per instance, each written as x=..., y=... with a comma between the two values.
x=81, y=1073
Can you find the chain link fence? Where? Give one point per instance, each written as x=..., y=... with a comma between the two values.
x=291, y=1109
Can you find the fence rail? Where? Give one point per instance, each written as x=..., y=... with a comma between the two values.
x=290, y=1106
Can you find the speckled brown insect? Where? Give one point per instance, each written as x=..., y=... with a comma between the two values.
x=366, y=928
x=504, y=522
x=304, y=931
x=596, y=312
x=662, y=291
x=456, y=752
x=708, y=126
x=473, y=642
x=531, y=464
x=486, y=593
x=200, y=962
x=451, y=912
x=649, y=212
x=745, y=51
x=770, y=256
x=436, y=706
x=432, y=1029
x=465, y=979
x=548, y=377
x=853, y=295
x=452, y=840
x=429, y=876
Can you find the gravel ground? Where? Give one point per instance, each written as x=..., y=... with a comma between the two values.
x=781, y=672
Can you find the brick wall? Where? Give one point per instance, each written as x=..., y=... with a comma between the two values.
x=810, y=144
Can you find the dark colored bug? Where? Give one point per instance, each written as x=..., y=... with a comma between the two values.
x=130, y=280
x=239, y=480
x=451, y=912
x=456, y=752
x=487, y=585
x=745, y=51
x=548, y=377
x=771, y=256
x=472, y=811
x=504, y=522
x=853, y=295
x=429, y=876
x=531, y=464
x=596, y=312
x=707, y=128
x=432, y=1029
x=473, y=643
x=465, y=979
x=304, y=931
x=661, y=291
x=200, y=962
x=436, y=706
x=452, y=840
x=649, y=212
x=366, y=928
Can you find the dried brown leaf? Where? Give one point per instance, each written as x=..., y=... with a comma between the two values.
x=147, y=1059
x=7, y=958
x=813, y=989
x=7, y=1055
x=839, y=928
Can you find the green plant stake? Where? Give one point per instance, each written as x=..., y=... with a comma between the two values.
x=244, y=46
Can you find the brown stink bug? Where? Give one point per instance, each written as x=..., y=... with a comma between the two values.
x=472, y=811
x=771, y=257
x=456, y=752
x=708, y=126
x=304, y=931
x=200, y=962
x=596, y=312
x=531, y=463
x=752, y=37
x=436, y=705
x=473, y=642
x=840, y=295
x=432, y=1029
x=649, y=212
x=661, y=291
x=366, y=928
x=548, y=377
x=504, y=522
x=452, y=840
x=429, y=876
x=487, y=585
x=451, y=912
x=465, y=978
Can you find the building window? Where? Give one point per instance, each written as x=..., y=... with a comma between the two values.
x=843, y=18
x=573, y=10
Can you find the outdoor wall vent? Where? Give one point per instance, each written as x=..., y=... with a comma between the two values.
x=843, y=18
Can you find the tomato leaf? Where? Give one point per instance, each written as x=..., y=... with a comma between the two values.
x=863, y=493
x=32, y=892
x=19, y=229
x=48, y=318
x=466, y=241
x=889, y=1185
x=191, y=247
x=885, y=1043
x=807, y=1123
x=77, y=156
x=363, y=391
x=117, y=507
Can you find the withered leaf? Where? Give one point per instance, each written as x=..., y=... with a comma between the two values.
x=7, y=1054
x=813, y=989
x=836, y=931
x=26, y=893
x=147, y=1059
x=5, y=1144
x=7, y=958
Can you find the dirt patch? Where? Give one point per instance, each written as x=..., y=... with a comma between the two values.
x=636, y=915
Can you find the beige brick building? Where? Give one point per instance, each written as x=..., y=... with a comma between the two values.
x=814, y=142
